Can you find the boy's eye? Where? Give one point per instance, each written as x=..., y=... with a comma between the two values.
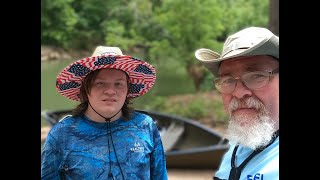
x=119, y=84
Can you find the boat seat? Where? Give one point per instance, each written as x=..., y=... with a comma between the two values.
x=172, y=135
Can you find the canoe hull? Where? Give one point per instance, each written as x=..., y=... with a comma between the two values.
x=202, y=158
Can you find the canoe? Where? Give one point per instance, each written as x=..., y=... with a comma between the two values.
x=188, y=144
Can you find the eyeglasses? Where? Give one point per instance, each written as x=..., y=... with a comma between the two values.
x=252, y=80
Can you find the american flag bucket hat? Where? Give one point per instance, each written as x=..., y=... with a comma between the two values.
x=142, y=75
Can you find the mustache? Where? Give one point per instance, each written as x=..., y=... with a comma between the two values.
x=249, y=102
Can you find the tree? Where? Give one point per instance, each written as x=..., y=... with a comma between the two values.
x=274, y=16
x=192, y=24
x=58, y=20
x=187, y=25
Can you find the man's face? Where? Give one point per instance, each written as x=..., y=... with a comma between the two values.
x=254, y=114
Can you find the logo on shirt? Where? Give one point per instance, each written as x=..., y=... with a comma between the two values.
x=137, y=147
x=255, y=177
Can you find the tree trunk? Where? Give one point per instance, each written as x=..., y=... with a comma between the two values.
x=196, y=72
x=274, y=16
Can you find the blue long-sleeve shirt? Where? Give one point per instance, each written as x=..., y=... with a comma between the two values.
x=77, y=148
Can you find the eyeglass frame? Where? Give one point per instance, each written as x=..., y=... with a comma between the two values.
x=270, y=73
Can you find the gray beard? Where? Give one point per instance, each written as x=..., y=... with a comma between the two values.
x=257, y=133
x=252, y=136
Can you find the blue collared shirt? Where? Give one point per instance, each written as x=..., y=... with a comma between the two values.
x=263, y=166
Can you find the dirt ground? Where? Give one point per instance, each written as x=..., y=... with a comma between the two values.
x=188, y=174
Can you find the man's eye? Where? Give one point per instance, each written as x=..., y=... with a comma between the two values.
x=257, y=76
x=227, y=80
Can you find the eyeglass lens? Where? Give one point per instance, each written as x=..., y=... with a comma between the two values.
x=252, y=80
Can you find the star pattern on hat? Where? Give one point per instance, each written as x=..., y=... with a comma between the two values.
x=105, y=60
x=135, y=59
x=68, y=85
x=141, y=74
x=136, y=88
x=143, y=69
x=78, y=70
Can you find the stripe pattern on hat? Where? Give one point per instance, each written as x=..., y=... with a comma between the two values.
x=142, y=75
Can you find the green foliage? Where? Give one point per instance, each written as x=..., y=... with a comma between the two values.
x=196, y=109
x=193, y=106
x=197, y=23
x=160, y=52
x=115, y=34
x=165, y=33
x=58, y=20
x=243, y=13
x=89, y=29
x=149, y=102
x=219, y=115
x=188, y=28
x=207, y=84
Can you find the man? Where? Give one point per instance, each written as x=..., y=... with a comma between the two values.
x=247, y=76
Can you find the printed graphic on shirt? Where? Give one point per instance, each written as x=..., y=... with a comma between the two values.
x=137, y=147
x=256, y=176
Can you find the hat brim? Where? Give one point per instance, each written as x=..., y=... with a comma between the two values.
x=211, y=60
x=142, y=75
